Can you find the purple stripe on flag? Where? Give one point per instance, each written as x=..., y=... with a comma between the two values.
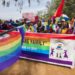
x=8, y=63
x=44, y=57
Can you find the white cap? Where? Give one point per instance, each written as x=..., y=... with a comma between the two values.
x=63, y=20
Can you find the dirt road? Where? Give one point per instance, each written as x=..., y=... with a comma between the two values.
x=26, y=67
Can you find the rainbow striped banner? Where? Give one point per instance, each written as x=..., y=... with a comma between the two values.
x=10, y=48
x=49, y=48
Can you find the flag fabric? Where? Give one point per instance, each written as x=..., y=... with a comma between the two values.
x=59, y=10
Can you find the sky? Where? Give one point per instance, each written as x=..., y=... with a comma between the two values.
x=12, y=12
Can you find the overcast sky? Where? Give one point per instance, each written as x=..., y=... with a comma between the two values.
x=12, y=12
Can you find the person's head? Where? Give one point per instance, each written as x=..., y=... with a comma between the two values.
x=63, y=22
x=49, y=22
x=59, y=24
x=39, y=23
x=11, y=20
x=17, y=21
x=70, y=22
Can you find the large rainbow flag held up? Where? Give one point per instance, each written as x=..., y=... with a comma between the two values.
x=10, y=46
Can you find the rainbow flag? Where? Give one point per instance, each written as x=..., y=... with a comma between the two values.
x=10, y=47
x=49, y=48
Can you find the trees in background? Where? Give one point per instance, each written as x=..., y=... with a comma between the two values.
x=50, y=8
x=69, y=7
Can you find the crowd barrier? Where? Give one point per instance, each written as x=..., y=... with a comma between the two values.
x=56, y=49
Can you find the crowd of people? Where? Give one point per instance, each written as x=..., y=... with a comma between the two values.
x=42, y=25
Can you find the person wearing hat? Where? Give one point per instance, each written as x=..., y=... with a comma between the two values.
x=64, y=27
x=59, y=25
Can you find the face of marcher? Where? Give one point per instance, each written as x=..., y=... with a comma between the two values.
x=63, y=22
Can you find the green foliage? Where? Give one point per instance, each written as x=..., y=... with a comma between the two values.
x=69, y=7
x=50, y=8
